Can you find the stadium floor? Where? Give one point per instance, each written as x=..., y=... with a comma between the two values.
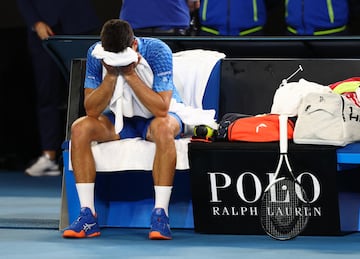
x=30, y=208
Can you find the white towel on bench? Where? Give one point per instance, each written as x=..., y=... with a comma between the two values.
x=133, y=154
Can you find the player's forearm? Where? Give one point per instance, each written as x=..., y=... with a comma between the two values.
x=154, y=102
x=97, y=100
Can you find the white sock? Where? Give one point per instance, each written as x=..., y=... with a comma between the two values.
x=162, y=197
x=86, y=195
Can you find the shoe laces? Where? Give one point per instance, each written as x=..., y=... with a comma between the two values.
x=77, y=221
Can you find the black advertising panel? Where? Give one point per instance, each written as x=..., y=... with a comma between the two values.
x=227, y=181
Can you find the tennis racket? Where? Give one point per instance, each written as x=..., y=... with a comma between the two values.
x=284, y=209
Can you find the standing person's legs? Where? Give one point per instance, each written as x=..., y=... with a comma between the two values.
x=50, y=89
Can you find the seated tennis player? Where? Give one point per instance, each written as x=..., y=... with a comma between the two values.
x=112, y=64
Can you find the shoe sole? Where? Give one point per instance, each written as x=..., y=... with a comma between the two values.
x=46, y=173
x=156, y=235
x=81, y=234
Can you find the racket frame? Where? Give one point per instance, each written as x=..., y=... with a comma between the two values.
x=283, y=121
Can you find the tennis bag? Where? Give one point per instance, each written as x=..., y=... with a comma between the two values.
x=259, y=128
x=226, y=120
x=327, y=119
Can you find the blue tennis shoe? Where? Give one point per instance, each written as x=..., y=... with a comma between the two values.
x=86, y=225
x=160, y=227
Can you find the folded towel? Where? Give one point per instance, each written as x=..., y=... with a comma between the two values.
x=288, y=97
x=192, y=69
x=191, y=116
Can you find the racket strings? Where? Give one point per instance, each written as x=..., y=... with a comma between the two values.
x=283, y=213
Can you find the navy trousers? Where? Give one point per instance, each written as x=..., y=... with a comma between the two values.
x=50, y=95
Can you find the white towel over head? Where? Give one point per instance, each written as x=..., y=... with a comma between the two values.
x=119, y=59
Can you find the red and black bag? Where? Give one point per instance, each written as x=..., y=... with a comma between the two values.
x=259, y=128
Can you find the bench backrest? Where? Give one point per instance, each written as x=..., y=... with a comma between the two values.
x=248, y=85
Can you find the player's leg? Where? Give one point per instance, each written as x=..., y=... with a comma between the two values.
x=162, y=131
x=83, y=132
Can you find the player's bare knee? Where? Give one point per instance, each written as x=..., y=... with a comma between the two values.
x=161, y=129
x=80, y=128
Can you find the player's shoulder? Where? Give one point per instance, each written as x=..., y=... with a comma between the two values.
x=90, y=57
x=148, y=40
x=91, y=48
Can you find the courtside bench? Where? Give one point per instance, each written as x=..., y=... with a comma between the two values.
x=124, y=198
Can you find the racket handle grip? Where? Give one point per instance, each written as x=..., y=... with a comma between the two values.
x=283, y=121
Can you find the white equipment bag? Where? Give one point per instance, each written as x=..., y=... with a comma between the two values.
x=327, y=119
